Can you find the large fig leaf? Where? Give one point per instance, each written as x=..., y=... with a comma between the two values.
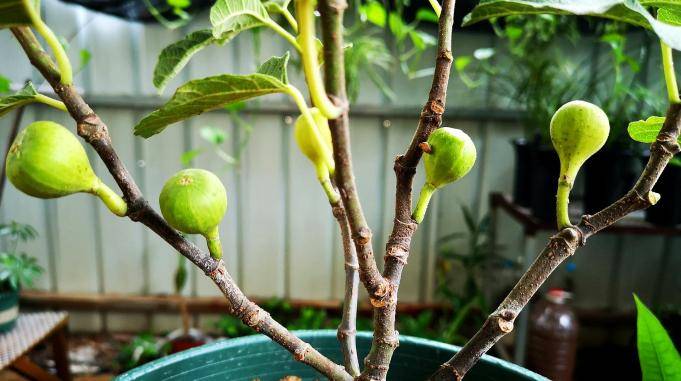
x=200, y=95
x=660, y=361
x=175, y=56
x=22, y=97
x=16, y=12
x=235, y=16
x=629, y=11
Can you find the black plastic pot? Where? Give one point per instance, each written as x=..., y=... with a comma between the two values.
x=544, y=183
x=522, y=173
x=608, y=175
x=667, y=211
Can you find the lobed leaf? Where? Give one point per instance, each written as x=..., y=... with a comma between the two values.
x=22, y=97
x=200, y=95
x=16, y=12
x=660, y=361
x=231, y=17
x=629, y=11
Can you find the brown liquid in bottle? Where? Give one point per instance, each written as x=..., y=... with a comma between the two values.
x=552, y=337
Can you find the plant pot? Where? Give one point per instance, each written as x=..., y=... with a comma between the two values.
x=9, y=310
x=522, y=172
x=667, y=211
x=257, y=357
x=544, y=183
x=608, y=175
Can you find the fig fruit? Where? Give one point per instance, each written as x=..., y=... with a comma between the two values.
x=578, y=130
x=194, y=201
x=449, y=155
x=47, y=161
x=315, y=143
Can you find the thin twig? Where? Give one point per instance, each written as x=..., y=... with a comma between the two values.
x=91, y=128
x=563, y=245
x=332, y=34
x=386, y=338
x=347, y=330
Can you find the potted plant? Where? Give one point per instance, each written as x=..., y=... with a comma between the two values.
x=17, y=270
x=47, y=160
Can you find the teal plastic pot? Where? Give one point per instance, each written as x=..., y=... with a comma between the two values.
x=9, y=310
x=257, y=357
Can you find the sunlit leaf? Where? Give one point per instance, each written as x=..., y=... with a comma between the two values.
x=5, y=84
x=374, y=13
x=230, y=17
x=200, y=95
x=427, y=14
x=646, y=131
x=22, y=97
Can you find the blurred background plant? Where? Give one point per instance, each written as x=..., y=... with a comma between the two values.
x=17, y=269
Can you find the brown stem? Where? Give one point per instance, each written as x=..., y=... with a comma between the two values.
x=563, y=245
x=94, y=131
x=10, y=139
x=382, y=288
x=347, y=330
x=332, y=34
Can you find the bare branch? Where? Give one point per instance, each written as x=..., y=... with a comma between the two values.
x=94, y=131
x=563, y=245
x=347, y=330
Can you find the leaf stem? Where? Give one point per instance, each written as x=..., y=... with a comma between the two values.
x=51, y=102
x=306, y=37
x=282, y=32
x=57, y=49
x=291, y=20
x=436, y=7
x=562, y=202
x=669, y=74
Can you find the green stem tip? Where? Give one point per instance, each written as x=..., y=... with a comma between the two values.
x=325, y=180
x=424, y=198
x=213, y=241
x=113, y=201
x=562, y=202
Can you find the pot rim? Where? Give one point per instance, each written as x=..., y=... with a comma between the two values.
x=221, y=344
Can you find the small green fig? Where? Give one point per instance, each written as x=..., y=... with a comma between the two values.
x=47, y=161
x=578, y=130
x=315, y=143
x=449, y=155
x=194, y=201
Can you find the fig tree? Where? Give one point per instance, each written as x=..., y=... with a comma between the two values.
x=578, y=130
x=47, y=161
x=194, y=201
x=449, y=155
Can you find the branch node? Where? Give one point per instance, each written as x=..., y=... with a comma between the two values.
x=425, y=147
x=363, y=235
x=299, y=353
x=448, y=368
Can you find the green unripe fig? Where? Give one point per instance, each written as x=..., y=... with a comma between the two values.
x=47, y=161
x=315, y=143
x=194, y=201
x=449, y=155
x=578, y=130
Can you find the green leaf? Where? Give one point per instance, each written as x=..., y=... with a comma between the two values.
x=16, y=12
x=460, y=63
x=175, y=56
x=669, y=16
x=629, y=11
x=660, y=361
x=200, y=95
x=374, y=13
x=427, y=14
x=20, y=98
x=5, y=84
x=646, y=131
x=181, y=4
x=231, y=17
x=276, y=67
x=187, y=157
x=276, y=6
x=85, y=57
